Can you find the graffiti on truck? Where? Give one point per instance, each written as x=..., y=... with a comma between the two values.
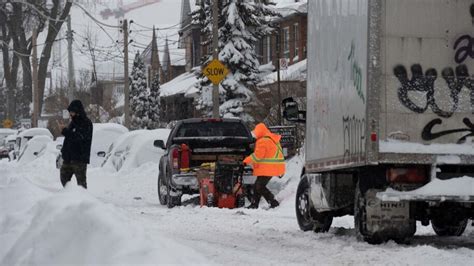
x=356, y=73
x=354, y=137
x=464, y=45
x=428, y=134
x=424, y=83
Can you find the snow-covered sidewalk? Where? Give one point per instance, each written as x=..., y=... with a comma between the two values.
x=118, y=220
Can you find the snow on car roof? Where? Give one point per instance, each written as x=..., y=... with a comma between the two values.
x=7, y=131
x=35, y=132
x=110, y=127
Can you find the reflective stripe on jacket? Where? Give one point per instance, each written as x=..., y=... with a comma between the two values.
x=267, y=159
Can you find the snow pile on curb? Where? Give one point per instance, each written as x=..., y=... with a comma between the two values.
x=286, y=186
x=73, y=227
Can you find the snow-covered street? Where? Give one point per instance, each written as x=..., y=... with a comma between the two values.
x=119, y=221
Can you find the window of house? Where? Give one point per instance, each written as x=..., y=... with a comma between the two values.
x=296, y=38
x=286, y=42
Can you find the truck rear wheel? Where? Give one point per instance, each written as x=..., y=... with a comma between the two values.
x=171, y=201
x=452, y=227
x=360, y=219
x=308, y=218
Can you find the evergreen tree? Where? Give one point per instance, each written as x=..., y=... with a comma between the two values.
x=154, y=104
x=241, y=24
x=139, y=103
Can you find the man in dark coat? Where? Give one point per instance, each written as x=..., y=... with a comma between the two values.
x=77, y=145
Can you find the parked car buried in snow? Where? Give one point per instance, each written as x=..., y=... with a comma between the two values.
x=34, y=148
x=4, y=152
x=25, y=136
x=103, y=136
x=206, y=141
x=135, y=148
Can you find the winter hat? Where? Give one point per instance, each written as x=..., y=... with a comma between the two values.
x=76, y=106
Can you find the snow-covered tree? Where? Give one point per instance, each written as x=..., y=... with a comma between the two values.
x=241, y=24
x=138, y=95
x=154, y=103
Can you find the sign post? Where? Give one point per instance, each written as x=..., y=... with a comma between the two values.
x=215, y=71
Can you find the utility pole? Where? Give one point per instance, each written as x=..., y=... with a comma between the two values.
x=126, y=88
x=70, y=67
x=34, y=73
x=278, y=77
x=215, y=55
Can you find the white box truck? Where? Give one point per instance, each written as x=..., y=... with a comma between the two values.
x=389, y=119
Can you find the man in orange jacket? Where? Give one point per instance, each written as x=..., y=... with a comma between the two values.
x=267, y=161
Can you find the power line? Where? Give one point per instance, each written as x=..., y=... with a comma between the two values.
x=156, y=28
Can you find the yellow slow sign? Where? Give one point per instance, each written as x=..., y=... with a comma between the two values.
x=215, y=71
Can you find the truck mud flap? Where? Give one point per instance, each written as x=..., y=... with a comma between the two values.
x=387, y=219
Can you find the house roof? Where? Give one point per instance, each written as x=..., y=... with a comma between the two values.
x=294, y=72
x=290, y=7
x=184, y=83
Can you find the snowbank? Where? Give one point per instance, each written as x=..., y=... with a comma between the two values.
x=72, y=227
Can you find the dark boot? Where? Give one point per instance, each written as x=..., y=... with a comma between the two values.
x=255, y=202
x=253, y=206
x=274, y=203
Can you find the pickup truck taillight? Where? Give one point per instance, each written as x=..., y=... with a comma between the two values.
x=407, y=175
x=175, y=158
x=185, y=156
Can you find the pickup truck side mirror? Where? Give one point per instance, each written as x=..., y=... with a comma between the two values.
x=101, y=154
x=159, y=144
x=291, y=111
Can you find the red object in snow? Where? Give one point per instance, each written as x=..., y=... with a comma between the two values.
x=185, y=156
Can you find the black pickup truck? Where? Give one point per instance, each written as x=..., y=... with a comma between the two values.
x=204, y=141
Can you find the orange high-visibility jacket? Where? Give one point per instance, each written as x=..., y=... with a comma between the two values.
x=267, y=159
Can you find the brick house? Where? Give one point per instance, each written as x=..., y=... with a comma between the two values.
x=292, y=27
x=291, y=38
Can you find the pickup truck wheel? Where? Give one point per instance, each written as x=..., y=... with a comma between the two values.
x=453, y=227
x=172, y=201
x=308, y=218
x=162, y=189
